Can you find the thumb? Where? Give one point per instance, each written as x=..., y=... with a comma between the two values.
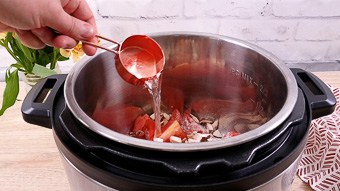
x=71, y=26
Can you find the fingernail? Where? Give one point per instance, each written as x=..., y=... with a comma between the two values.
x=69, y=45
x=86, y=31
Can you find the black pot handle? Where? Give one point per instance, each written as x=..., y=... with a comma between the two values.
x=318, y=94
x=38, y=103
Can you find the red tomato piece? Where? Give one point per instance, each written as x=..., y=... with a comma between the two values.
x=139, y=125
x=176, y=115
x=149, y=129
x=144, y=127
x=119, y=118
x=173, y=129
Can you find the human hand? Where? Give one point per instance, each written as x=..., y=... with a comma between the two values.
x=36, y=22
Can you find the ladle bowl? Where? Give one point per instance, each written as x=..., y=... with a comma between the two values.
x=138, y=58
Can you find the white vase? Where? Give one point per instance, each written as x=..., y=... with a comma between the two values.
x=31, y=79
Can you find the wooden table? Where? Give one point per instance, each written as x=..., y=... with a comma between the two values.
x=29, y=158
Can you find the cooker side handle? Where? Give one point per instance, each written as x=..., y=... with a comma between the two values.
x=318, y=94
x=38, y=103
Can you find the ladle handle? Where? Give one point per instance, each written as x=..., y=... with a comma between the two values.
x=37, y=105
x=102, y=47
x=107, y=39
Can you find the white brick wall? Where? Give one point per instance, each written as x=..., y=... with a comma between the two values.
x=225, y=8
x=140, y=8
x=318, y=30
x=258, y=29
x=297, y=31
x=306, y=8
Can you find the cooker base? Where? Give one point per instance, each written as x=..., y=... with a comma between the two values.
x=81, y=182
x=282, y=182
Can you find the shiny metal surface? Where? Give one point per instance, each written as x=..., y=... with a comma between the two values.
x=94, y=83
x=79, y=181
x=282, y=182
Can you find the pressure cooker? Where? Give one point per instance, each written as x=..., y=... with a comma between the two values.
x=198, y=65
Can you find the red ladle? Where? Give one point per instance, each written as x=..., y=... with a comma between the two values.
x=140, y=58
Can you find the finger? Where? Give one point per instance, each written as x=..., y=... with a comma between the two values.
x=5, y=28
x=29, y=39
x=45, y=34
x=91, y=50
x=88, y=49
x=70, y=5
x=81, y=10
x=65, y=42
x=71, y=26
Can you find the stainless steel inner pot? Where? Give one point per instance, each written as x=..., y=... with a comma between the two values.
x=215, y=67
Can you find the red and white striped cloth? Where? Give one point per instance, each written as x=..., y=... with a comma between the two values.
x=320, y=162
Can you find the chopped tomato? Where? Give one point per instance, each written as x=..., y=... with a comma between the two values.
x=173, y=129
x=139, y=125
x=149, y=129
x=119, y=118
x=176, y=115
x=144, y=127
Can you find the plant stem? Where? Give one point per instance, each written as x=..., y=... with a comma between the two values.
x=55, y=59
x=54, y=62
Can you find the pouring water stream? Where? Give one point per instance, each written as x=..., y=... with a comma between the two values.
x=143, y=58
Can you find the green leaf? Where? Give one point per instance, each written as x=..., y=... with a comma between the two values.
x=43, y=59
x=9, y=35
x=7, y=44
x=16, y=65
x=42, y=71
x=62, y=58
x=25, y=50
x=17, y=52
x=2, y=42
x=22, y=54
x=11, y=90
x=48, y=49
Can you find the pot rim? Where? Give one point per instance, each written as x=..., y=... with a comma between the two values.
x=275, y=121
